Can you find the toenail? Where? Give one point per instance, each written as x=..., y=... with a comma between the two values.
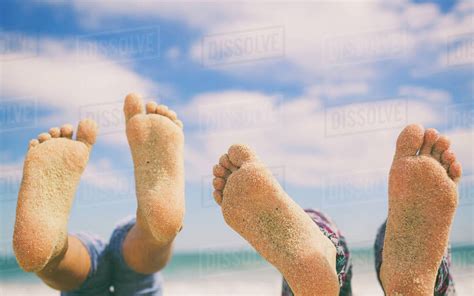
x=151, y=107
x=44, y=137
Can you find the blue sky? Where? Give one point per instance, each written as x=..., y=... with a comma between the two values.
x=320, y=90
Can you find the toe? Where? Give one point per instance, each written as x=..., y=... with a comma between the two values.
x=87, y=131
x=447, y=158
x=172, y=115
x=55, y=132
x=225, y=162
x=66, y=131
x=218, y=183
x=151, y=107
x=409, y=141
x=441, y=145
x=455, y=171
x=217, y=196
x=238, y=154
x=33, y=143
x=179, y=123
x=44, y=137
x=220, y=171
x=133, y=105
x=431, y=136
x=162, y=110
x=165, y=111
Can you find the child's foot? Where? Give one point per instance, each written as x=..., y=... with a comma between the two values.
x=52, y=169
x=422, y=202
x=255, y=205
x=156, y=140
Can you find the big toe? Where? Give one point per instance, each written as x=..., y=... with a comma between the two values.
x=87, y=131
x=409, y=141
x=238, y=154
x=133, y=105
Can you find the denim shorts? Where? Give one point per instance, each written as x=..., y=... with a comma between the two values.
x=109, y=274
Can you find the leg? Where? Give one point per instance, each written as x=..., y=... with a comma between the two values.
x=51, y=173
x=343, y=262
x=127, y=281
x=99, y=278
x=255, y=205
x=444, y=281
x=156, y=140
x=422, y=202
x=68, y=270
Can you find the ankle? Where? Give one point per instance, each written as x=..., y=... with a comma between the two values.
x=302, y=275
x=143, y=232
x=143, y=253
x=406, y=282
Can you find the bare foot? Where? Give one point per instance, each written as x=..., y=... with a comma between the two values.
x=156, y=140
x=422, y=202
x=255, y=205
x=52, y=169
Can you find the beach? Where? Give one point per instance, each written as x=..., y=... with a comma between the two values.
x=243, y=272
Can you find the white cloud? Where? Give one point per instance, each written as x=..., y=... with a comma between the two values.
x=173, y=53
x=101, y=175
x=10, y=169
x=61, y=76
x=338, y=90
x=462, y=143
x=291, y=131
x=298, y=139
x=430, y=95
x=421, y=16
x=352, y=34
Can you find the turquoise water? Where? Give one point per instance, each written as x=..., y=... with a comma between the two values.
x=208, y=262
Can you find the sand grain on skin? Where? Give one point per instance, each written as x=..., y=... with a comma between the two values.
x=422, y=203
x=52, y=169
x=156, y=141
x=255, y=205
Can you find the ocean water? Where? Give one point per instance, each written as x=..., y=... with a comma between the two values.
x=240, y=272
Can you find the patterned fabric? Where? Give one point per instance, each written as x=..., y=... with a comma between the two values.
x=343, y=259
x=444, y=282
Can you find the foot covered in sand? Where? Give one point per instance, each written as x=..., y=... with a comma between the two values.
x=52, y=169
x=255, y=206
x=422, y=202
x=156, y=140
